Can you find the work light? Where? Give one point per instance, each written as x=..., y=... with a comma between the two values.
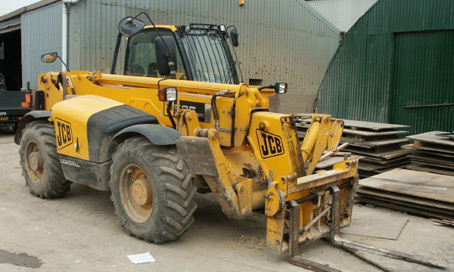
x=168, y=94
x=280, y=87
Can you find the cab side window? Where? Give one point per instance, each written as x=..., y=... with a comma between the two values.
x=141, y=56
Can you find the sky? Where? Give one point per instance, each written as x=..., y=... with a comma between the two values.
x=6, y=6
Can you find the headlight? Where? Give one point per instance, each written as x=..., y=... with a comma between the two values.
x=280, y=87
x=222, y=29
x=169, y=94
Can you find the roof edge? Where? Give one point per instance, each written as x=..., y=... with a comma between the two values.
x=319, y=16
x=31, y=7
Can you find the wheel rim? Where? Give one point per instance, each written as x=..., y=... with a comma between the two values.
x=136, y=193
x=34, y=162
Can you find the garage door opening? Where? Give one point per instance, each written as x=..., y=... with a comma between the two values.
x=10, y=59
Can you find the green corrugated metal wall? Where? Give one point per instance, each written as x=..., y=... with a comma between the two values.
x=399, y=54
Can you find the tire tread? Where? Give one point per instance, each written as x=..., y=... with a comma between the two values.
x=53, y=183
x=174, y=207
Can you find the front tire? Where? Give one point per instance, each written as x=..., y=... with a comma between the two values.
x=152, y=192
x=40, y=163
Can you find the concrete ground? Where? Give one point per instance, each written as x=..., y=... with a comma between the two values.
x=81, y=233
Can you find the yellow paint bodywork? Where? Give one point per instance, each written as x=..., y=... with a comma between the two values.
x=171, y=27
x=76, y=111
x=324, y=134
x=258, y=160
x=225, y=108
x=275, y=152
x=139, y=92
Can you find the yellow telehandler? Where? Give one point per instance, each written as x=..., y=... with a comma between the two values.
x=177, y=122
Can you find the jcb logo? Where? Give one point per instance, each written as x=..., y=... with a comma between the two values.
x=270, y=144
x=63, y=133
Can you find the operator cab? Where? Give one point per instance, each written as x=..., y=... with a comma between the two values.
x=198, y=52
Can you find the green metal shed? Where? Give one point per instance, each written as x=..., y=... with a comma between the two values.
x=395, y=65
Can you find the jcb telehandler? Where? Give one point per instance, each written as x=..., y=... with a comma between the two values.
x=179, y=122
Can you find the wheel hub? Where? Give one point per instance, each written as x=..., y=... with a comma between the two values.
x=141, y=192
x=35, y=161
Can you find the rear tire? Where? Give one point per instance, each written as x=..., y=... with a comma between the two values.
x=152, y=192
x=40, y=162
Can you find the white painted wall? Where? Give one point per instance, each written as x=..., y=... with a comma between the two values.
x=342, y=13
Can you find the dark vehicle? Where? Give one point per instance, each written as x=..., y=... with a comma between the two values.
x=13, y=105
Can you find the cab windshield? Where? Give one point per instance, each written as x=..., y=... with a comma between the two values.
x=208, y=55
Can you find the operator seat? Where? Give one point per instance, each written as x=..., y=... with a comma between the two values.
x=152, y=70
x=136, y=70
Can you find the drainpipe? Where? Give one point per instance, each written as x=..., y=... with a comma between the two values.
x=64, y=32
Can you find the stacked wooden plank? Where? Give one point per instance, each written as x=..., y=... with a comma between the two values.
x=433, y=152
x=420, y=193
x=377, y=143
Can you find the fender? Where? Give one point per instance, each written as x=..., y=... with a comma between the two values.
x=28, y=118
x=155, y=133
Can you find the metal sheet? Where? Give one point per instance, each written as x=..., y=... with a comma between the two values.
x=413, y=183
x=382, y=161
x=433, y=147
x=40, y=34
x=435, y=160
x=373, y=144
x=430, y=169
x=356, y=124
x=372, y=125
x=434, y=153
x=431, y=213
x=363, y=191
x=373, y=133
x=432, y=137
x=380, y=168
x=415, y=192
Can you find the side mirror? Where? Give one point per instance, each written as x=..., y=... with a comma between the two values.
x=234, y=37
x=129, y=26
x=49, y=57
x=164, y=47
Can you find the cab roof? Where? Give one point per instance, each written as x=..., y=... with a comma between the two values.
x=173, y=28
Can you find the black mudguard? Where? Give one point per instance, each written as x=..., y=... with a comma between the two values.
x=102, y=126
x=30, y=117
x=155, y=133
